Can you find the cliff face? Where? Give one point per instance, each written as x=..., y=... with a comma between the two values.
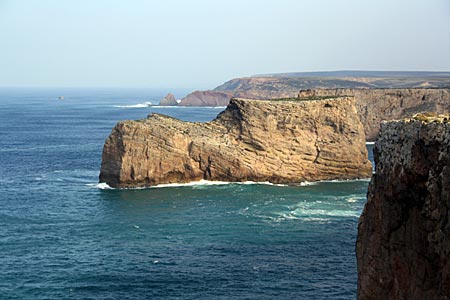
x=403, y=246
x=276, y=141
x=376, y=105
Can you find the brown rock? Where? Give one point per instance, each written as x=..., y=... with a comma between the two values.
x=403, y=245
x=376, y=105
x=168, y=100
x=373, y=105
x=276, y=141
x=206, y=98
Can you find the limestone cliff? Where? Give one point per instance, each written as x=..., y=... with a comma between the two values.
x=403, y=245
x=276, y=141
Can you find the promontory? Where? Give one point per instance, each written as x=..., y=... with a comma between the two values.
x=280, y=141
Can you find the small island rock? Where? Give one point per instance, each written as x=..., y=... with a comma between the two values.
x=168, y=100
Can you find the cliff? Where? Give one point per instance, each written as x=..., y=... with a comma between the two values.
x=373, y=105
x=376, y=105
x=168, y=100
x=276, y=141
x=403, y=245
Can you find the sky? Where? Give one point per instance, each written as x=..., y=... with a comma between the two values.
x=199, y=44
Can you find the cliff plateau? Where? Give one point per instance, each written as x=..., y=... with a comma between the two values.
x=403, y=245
x=276, y=141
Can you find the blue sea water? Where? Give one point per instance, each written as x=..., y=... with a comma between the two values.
x=61, y=237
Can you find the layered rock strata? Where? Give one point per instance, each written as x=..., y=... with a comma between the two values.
x=403, y=245
x=373, y=105
x=376, y=105
x=252, y=140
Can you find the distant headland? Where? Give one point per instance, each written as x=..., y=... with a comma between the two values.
x=380, y=95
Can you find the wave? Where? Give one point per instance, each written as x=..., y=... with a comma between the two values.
x=203, y=183
x=370, y=143
x=101, y=186
x=140, y=105
x=200, y=183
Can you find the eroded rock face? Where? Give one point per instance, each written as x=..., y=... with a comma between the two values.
x=276, y=141
x=168, y=100
x=403, y=245
x=376, y=105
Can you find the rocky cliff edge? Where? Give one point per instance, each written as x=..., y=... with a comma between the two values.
x=252, y=140
x=403, y=245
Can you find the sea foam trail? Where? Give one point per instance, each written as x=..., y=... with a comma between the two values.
x=105, y=186
x=203, y=182
x=181, y=106
x=140, y=105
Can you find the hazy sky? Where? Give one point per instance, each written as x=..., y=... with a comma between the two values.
x=200, y=43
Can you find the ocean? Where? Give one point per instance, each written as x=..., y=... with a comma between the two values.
x=64, y=236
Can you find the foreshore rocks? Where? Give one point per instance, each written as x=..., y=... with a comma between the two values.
x=252, y=140
x=403, y=244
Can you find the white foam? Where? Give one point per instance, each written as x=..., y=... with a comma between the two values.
x=370, y=143
x=184, y=106
x=140, y=105
x=353, y=199
x=101, y=186
x=323, y=212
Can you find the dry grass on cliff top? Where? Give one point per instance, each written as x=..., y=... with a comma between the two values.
x=430, y=117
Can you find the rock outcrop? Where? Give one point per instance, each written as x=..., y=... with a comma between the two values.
x=276, y=141
x=403, y=245
x=206, y=98
x=168, y=100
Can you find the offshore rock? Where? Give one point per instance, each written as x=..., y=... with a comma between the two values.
x=252, y=140
x=206, y=98
x=168, y=100
x=403, y=245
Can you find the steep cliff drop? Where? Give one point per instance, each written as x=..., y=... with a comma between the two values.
x=403, y=245
x=252, y=140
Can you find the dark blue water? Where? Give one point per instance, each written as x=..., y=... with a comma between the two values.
x=61, y=237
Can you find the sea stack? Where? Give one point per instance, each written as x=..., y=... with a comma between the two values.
x=403, y=245
x=288, y=141
x=168, y=100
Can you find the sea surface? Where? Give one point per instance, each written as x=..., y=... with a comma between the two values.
x=64, y=237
